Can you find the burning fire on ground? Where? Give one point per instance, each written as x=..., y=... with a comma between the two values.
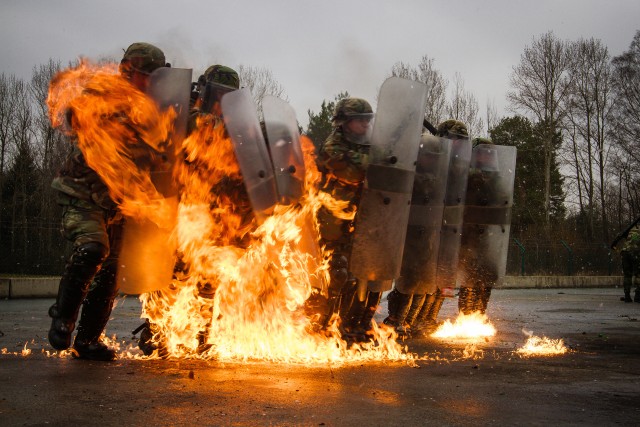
x=466, y=326
x=541, y=346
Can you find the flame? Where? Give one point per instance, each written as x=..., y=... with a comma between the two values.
x=542, y=346
x=466, y=326
x=241, y=294
x=25, y=351
x=241, y=283
x=114, y=123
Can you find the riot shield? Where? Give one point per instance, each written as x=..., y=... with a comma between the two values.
x=284, y=146
x=451, y=231
x=420, y=259
x=288, y=164
x=241, y=120
x=383, y=211
x=487, y=215
x=147, y=256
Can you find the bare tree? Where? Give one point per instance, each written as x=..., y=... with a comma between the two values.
x=261, y=83
x=426, y=73
x=10, y=93
x=492, y=116
x=463, y=106
x=50, y=150
x=539, y=84
x=587, y=110
x=626, y=86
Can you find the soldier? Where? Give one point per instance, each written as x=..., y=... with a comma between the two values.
x=420, y=255
x=486, y=223
x=91, y=220
x=630, y=255
x=226, y=188
x=343, y=160
x=423, y=313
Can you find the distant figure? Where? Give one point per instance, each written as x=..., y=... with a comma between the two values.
x=630, y=254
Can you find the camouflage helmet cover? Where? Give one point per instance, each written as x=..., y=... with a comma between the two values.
x=479, y=140
x=222, y=75
x=453, y=128
x=350, y=108
x=144, y=57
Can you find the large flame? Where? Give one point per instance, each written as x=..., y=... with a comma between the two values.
x=240, y=286
x=114, y=123
x=262, y=273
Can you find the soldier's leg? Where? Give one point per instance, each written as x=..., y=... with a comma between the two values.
x=98, y=304
x=398, y=305
x=417, y=301
x=636, y=278
x=486, y=294
x=83, y=224
x=420, y=324
x=627, y=271
x=466, y=299
x=434, y=310
x=373, y=300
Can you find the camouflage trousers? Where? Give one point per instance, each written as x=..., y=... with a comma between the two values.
x=630, y=271
x=84, y=222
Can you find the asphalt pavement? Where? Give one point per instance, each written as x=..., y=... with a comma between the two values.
x=596, y=383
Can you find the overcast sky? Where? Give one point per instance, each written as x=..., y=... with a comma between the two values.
x=315, y=49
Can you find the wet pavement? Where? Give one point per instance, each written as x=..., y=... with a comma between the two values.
x=596, y=383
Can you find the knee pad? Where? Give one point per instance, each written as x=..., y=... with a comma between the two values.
x=91, y=253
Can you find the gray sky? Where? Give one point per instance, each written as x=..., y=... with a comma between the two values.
x=315, y=49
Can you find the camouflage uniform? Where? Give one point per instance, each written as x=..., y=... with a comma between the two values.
x=630, y=254
x=343, y=160
x=90, y=219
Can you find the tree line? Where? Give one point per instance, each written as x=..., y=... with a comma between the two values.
x=575, y=121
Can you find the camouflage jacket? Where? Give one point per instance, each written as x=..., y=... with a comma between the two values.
x=344, y=160
x=632, y=242
x=76, y=179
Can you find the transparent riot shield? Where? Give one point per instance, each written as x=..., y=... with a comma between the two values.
x=147, y=256
x=383, y=211
x=420, y=259
x=487, y=215
x=284, y=145
x=283, y=138
x=241, y=120
x=451, y=231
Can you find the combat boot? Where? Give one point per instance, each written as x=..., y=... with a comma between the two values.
x=74, y=285
x=95, y=315
x=626, y=297
x=373, y=300
x=417, y=301
x=432, y=316
x=399, y=305
x=485, y=294
x=466, y=299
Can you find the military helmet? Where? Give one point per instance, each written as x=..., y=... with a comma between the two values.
x=222, y=75
x=480, y=140
x=143, y=57
x=453, y=128
x=351, y=108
